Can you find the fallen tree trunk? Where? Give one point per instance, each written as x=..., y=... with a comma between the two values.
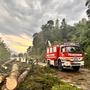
x=23, y=75
x=9, y=61
x=11, y=81
x=1, y=78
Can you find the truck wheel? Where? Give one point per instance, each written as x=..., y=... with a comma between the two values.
x=60, y=67
x=48, y=63
x=76, y=68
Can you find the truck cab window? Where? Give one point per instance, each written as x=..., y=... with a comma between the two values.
x=63, y=49
x=54, y=49
x=50, y=50
x=73, y=49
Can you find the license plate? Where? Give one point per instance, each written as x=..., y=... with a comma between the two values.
x=76, y=64
x=75, y=59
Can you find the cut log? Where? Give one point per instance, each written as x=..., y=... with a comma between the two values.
x=23, y=75
x=2, y=77
x=11, y=81
x=9, y=61
x=5, y=67
x=4, y=88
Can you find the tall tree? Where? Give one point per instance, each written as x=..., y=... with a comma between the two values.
x=29, y=50
x=4, y=51
x=88, y=10
x=63, y=30
x=57, y=24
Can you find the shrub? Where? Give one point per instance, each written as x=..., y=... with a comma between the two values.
x=87, y=57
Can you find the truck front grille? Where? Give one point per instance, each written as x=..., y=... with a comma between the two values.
x=75, y=64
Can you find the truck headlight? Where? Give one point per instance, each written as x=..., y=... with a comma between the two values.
x=63, y=60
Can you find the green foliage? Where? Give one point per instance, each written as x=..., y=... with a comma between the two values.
x=43, y=78
x=50, y=32
x=88, y=5
x=4, y=51
x=87, y=61
x=64, y=86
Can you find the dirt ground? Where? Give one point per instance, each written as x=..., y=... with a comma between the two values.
x=79, y=79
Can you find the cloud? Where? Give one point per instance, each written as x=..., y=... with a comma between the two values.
x=17, y=43
x=25, y=17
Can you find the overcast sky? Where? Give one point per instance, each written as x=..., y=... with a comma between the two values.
x=20, y=19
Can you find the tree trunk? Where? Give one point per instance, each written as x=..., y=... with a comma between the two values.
x=23, y=75
x=2, y=77
x=9, y=61
x=11, y=81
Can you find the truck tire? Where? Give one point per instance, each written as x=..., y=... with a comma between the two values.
x=76, y=68
x=48, y=63
x=60, y=67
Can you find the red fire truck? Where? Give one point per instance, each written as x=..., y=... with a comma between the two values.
x=68, y=55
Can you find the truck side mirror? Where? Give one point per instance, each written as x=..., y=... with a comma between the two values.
x=63, y=50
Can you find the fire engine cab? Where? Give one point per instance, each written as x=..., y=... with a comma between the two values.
x=68, y=55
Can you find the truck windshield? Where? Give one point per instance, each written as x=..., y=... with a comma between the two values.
x=71, y=49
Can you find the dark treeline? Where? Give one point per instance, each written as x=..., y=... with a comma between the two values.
x=58, y=33
x=88, y=6
x=4, y=51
